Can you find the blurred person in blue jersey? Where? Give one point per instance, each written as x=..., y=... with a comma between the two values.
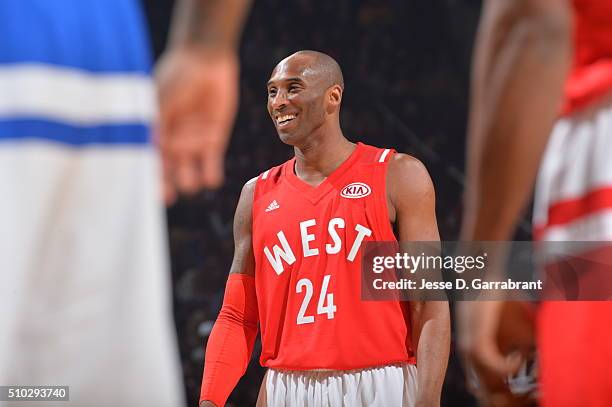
x=84, y=282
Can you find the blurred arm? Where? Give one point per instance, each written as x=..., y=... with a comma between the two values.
x=231, y=341
x=197, y=83
x=521, y=59
x=209, y=24
x=412, y=196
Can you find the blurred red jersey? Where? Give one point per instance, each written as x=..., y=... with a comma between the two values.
x=307, y=243
x=575, y=351
x=591, y=74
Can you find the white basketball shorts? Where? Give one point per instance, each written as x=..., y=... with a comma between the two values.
x=573, y=199
x=394, y=385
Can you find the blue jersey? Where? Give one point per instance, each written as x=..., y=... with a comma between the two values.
x=75, y=72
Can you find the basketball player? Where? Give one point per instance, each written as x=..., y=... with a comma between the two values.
x=83, y=259
x=296, y=269
x=524, y=75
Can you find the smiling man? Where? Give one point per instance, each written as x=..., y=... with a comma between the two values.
x=299, y=231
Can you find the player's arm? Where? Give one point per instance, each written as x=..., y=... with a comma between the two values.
x=197, y=82
x=521, y=59
x=412, y=201
x=209, y=24
x=231, y=341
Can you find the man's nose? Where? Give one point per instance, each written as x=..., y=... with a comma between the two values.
x=278, y=101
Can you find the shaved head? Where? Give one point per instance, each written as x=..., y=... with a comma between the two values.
x=304, y=96
x=316, y=64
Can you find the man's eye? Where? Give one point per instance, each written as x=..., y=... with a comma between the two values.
x=272, y=92
x=294, y=89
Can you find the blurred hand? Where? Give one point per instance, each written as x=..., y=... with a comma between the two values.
x=495, y=337
x=207, y=403
x=198, y=98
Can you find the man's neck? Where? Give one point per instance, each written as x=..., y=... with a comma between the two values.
x=322, y=155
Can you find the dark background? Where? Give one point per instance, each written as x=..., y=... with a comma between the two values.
x=406, y=68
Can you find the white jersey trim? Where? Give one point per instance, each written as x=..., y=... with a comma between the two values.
x=383, y=156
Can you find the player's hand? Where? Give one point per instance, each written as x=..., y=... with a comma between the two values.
x=494, y=337
x=207, y=403
x=198, y=97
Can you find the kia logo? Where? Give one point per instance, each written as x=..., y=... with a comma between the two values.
x=355, y=190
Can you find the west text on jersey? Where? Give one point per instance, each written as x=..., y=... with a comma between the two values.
x=285, y=253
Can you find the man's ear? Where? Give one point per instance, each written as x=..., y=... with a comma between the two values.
x=334, y=97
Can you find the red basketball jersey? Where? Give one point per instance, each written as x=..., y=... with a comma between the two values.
x=591, y=74
x=307, y=243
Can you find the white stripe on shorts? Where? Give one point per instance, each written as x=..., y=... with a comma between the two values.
x=576, y=162
x=33, y=90
x=393, y=385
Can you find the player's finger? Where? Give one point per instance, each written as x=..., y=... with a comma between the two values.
x=183, y=152
x=212, y=174
x=174, y=107
x=186, y=174
x=168, y=189
x=488, y=358
x=169, y=192
x=490, y=378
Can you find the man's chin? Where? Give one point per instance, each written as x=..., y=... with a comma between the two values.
x=287, y=138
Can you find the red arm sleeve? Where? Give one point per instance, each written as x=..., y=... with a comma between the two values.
x=231, y=341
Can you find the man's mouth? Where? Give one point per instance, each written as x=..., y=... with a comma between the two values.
x=285, y=119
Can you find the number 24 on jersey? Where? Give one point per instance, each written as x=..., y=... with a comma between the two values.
x=325, y=304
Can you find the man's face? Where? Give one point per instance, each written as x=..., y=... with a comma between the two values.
x=296, y=100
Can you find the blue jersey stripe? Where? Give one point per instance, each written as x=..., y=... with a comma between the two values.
x=76, y=136
x=92, y=35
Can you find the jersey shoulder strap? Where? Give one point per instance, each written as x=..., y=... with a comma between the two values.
x=267, y=180
x=376, y=161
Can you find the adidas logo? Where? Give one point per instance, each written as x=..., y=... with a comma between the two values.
x=273, y=205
